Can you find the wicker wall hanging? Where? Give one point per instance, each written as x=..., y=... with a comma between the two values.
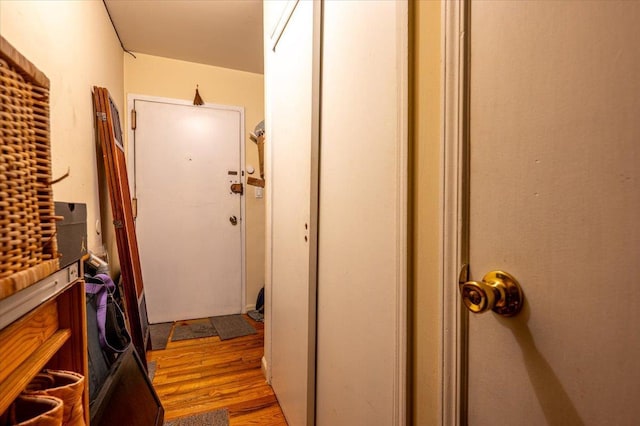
x=28, y=248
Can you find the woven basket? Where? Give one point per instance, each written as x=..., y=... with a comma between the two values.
x=28, y=248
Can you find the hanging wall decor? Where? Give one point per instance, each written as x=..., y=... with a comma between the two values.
x=258, y=136
x=28, y=247
x=197, y=100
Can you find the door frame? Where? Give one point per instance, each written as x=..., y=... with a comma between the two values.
x=131, y=168
x=454, y=207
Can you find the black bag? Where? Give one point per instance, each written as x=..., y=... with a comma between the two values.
x=260, y=301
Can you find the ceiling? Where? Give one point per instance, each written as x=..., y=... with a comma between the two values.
x=224, y=33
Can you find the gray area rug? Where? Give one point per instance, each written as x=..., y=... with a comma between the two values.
x=193, y=331
x=160, y=335
x=151, y=367
x=212, y=418
x=230, y=326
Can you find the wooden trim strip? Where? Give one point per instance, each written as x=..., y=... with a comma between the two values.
x=11, y=54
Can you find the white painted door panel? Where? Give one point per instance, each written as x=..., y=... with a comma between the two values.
x=289, y=72
x=362, y=214
x=186, y=158
x=555, y=195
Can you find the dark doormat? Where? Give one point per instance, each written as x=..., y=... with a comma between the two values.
x=230, y=326
x=160, y=335
x=193, y=330
x=212, y=418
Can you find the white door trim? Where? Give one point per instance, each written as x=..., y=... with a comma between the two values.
x=454, y=211
x=131, y=98
x=402, y=182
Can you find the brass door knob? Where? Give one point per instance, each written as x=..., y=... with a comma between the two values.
x=498, y=291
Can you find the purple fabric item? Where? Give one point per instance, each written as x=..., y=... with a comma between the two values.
x=102, y=292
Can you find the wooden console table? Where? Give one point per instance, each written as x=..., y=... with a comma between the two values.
x=52, y=334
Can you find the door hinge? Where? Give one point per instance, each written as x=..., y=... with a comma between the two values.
x=134, y=207
x=133, y=119
x=102, y=116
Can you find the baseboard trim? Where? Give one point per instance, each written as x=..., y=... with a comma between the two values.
x=248, y=308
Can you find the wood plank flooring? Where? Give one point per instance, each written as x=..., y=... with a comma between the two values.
x=199, y=375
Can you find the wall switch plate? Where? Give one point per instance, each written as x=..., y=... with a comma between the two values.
x=258, y=191
x=73, y=272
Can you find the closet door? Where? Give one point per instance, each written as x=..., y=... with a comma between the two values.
x=363, y=213
x=291, y=52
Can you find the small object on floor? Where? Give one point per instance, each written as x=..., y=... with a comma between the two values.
x=160, y=335
x=193, y=330
x=212, y=418
x=230, y=326
x=151, y=367
x=256, y=316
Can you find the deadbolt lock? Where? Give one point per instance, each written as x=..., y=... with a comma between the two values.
x=498, y=291
x=237, y=188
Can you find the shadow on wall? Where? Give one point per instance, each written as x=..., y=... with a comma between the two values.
x=554, y=400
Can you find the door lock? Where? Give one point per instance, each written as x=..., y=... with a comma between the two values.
x=498, y=291
x=233, y=220
x=237, y=188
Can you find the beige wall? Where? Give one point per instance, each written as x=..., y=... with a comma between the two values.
x=170, y=78
x=426, y=298
x=74, y=44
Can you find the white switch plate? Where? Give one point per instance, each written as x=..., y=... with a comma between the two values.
x=73, y=272
x=258, y=191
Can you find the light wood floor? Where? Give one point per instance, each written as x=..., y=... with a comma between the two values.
x=200, y=375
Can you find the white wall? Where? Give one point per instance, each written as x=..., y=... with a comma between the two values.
x=74, y=44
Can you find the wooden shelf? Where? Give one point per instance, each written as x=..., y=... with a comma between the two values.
x=52, y=335
x=21, y=376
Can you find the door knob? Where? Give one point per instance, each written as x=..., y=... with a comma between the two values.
x=233, y=220
x=498, y=291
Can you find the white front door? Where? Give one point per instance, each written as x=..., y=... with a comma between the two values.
x=292, y=134
x=189, y=222
x=554, y=200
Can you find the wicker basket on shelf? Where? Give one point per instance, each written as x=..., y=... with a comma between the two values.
x=28, y=248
